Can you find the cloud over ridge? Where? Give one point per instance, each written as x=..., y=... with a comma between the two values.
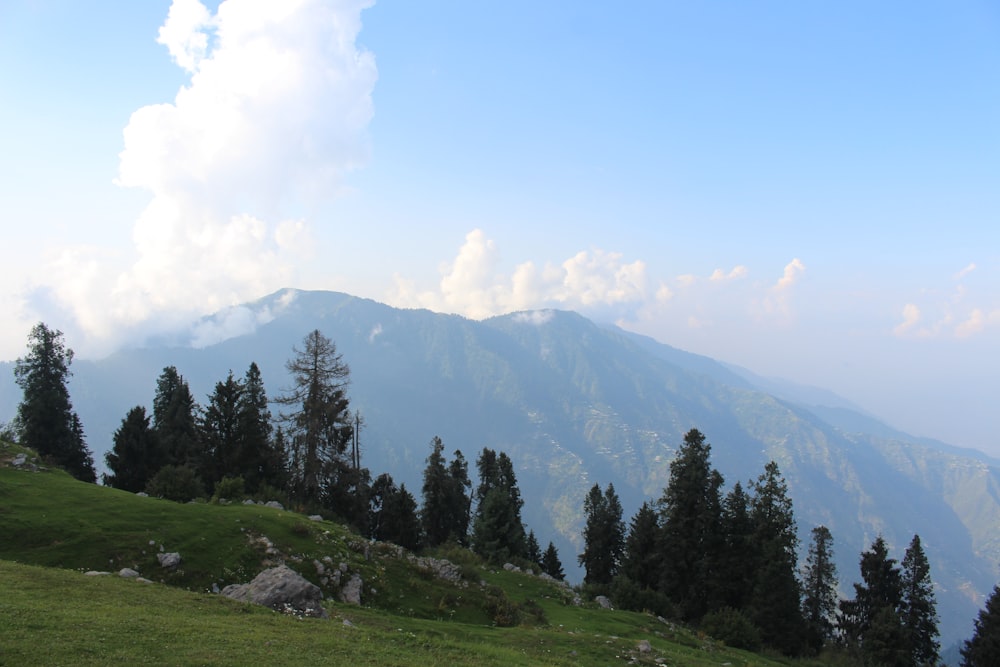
x=274, y=114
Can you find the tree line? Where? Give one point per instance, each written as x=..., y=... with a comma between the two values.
x=307, y=455
x=728, y=563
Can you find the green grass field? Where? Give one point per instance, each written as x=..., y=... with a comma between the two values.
x=53, y=529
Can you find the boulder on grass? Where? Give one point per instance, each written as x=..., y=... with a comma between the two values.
x=282, y=589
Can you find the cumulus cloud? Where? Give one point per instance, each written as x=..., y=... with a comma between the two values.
x=948, y=312
x=777, y=302
x=911, y=318
x=473, y=285
x=274, y=114
x=736, y=273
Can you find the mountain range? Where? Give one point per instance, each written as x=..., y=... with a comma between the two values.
x=576, y=403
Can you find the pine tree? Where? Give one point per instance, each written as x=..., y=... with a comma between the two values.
x=882, y=588
x=551, y=565
x=220, y=434
x=497, y=531
x=983, y=649
x=320, y=425
x=918, y=611
x=45, y=417
x=737, y=558
x=534, y=552
x=690, y=512
x=174, y=420
x=819, y=605
x=393, y=513
x=444, y=514
x=640, y=561
x=459, y=492
x=136, y=454
x=257, y=462
x=775, y=605
x=603, y=536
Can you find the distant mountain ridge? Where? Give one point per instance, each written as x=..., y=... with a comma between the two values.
x=575, y=403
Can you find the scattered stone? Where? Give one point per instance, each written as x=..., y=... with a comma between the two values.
x=348, y=624
x=510, y=567
x=315, y=517
x=96, y=573
x=274, y=504
x=143, y=580
x=248, y=501
x=644, y=646
x=127, y=573
x=19, y=460
x=142, y=494
x=169, y=560
x=351, y=592
x=281, y=589
x=603, y=601
x=320, y=568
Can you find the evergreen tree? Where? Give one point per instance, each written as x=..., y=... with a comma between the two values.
x=983, y=649
x=819, y=605
x=551, y=565
x=640, y=560
x=393, y=513
x=737, y=558
x=603, y=536
x=220, y=433
x=459, y=491
x=45, y=417
x=881, y=589
x=319, y=426
x=136, y=454
x=534, y=552
x=918, y=611
x=775, y=605
x=444, y=514
x=690, y=512
x=497, y=532
x=885, y=642
x=174, y=420
x=258, y=463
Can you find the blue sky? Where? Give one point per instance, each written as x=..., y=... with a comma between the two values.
x=809, y=190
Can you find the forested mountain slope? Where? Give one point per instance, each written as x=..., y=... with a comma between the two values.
x=573, y=404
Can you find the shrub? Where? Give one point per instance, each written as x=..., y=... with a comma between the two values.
x=732, y=627
x=500, y=608
x=229, y=488
x=178, y=483
x=626, y=594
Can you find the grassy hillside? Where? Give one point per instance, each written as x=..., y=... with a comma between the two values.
x=55, y=528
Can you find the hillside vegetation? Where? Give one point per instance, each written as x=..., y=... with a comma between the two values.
x=55, y=528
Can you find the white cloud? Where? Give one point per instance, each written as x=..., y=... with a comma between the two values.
x=375, y=333
x=736, y=273
x=275, y=113
x=966, y=271
x=911, y=318
x=184, y=33
x=777, y=302
x=975, y=324
x=473, y=284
